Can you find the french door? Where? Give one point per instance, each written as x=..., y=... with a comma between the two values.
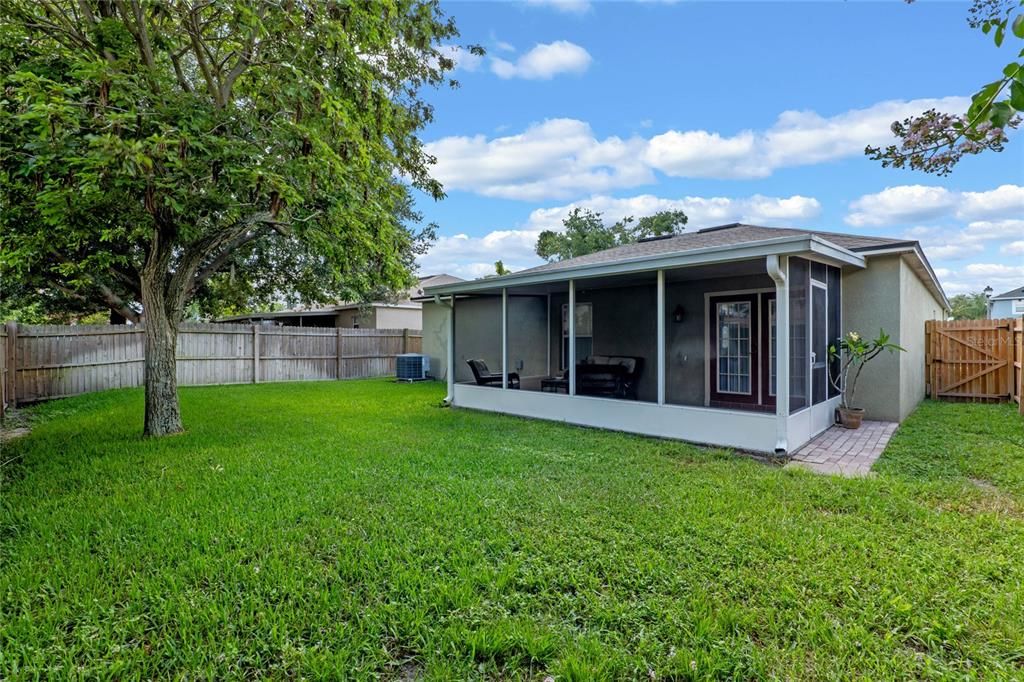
x=741, y=354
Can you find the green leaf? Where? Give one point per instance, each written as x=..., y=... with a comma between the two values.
x=1018, y=26
x=1000, y=34
x=1017, y=95
x=1000, y=114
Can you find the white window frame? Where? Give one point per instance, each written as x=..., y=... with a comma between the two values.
x=751, y=330
x=1017, y=306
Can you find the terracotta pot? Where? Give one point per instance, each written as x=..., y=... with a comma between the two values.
x=851, y=417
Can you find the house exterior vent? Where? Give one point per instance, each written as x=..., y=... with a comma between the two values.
x=412, y=366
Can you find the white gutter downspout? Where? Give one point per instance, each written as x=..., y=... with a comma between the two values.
x=778, y=266
x=448, y=399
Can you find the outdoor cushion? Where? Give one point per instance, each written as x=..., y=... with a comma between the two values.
x=608, y=375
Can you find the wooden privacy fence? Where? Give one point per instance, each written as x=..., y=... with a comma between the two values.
x=55, y=361
x=975, y=360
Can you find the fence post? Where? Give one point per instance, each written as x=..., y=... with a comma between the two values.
x=12, y=366
x=340, y=348
x=1017, y=356
x=929, y=386
x=405, y=340
x=256, y=353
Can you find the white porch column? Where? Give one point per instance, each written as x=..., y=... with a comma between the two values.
x=661, y=337
x=504, y=338
x=548, y=365
x=572, y=337
x=778, y=269
x=451, y=349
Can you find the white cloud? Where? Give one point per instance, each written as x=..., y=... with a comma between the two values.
x=700, y=154
x=998, y=229
x=463, y=58
x=906, y=203
x=701, y=211
x=951, y=250
x=1014, y=248
x=470, y=257
x=1003, y=201
x=976, y=276
x=559, y=158
x=544, y=62
x=797, y=138
x=555, y=159
x=567, y=6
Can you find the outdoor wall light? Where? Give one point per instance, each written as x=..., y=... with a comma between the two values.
x=677, y=314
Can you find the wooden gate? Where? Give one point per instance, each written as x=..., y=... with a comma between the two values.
x=971, y=360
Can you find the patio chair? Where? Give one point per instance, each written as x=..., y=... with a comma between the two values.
x=485, y=377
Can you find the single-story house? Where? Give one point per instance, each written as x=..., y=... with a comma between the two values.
x=1009, y=304
x=680, y=337
x=405, y=313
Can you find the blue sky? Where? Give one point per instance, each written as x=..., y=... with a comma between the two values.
x=754, y=112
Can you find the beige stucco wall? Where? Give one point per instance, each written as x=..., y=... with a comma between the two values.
x=917, y=305
x=398, y=318
x=889, y=295
x=870, y=302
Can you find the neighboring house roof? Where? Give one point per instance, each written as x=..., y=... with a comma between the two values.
x=1010, y=295
x=715, y=244
x=405, y=302
x=432, y=281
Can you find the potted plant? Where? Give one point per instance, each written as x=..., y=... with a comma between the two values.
x=855, y=352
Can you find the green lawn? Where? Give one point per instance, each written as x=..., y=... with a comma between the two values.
x=358, y=528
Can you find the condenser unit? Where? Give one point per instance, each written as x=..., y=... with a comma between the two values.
x=412, y=366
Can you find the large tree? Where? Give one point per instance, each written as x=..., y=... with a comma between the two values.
x=584, y=231
x=159, y=151
x=969, y=306
x=935, y=141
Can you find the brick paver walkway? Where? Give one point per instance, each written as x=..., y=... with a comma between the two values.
x=844, y=451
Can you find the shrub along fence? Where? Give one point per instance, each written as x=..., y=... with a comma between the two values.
x=55, y=361
x=975, y=360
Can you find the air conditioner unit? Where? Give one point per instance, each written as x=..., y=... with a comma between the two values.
x=412, y=366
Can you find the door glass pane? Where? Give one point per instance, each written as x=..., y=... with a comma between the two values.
x=734, y=347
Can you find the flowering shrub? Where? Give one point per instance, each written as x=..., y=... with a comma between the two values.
x=855, y=352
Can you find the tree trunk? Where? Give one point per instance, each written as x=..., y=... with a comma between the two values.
x=163, y=415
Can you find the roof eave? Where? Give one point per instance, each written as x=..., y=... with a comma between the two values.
x=914, y=248
x=789, y=245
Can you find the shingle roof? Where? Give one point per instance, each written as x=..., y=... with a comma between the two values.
x=723, y=235
x=1012, y=293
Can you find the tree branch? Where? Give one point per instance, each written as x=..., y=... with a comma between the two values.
x=217, y=262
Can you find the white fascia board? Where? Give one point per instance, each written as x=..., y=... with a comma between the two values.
x=791, y=245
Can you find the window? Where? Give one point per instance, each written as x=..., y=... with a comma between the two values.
x=734, y=324
x=584, y=332
x=1018, y=306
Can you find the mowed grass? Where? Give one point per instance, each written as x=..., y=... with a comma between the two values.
x=358, y=530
